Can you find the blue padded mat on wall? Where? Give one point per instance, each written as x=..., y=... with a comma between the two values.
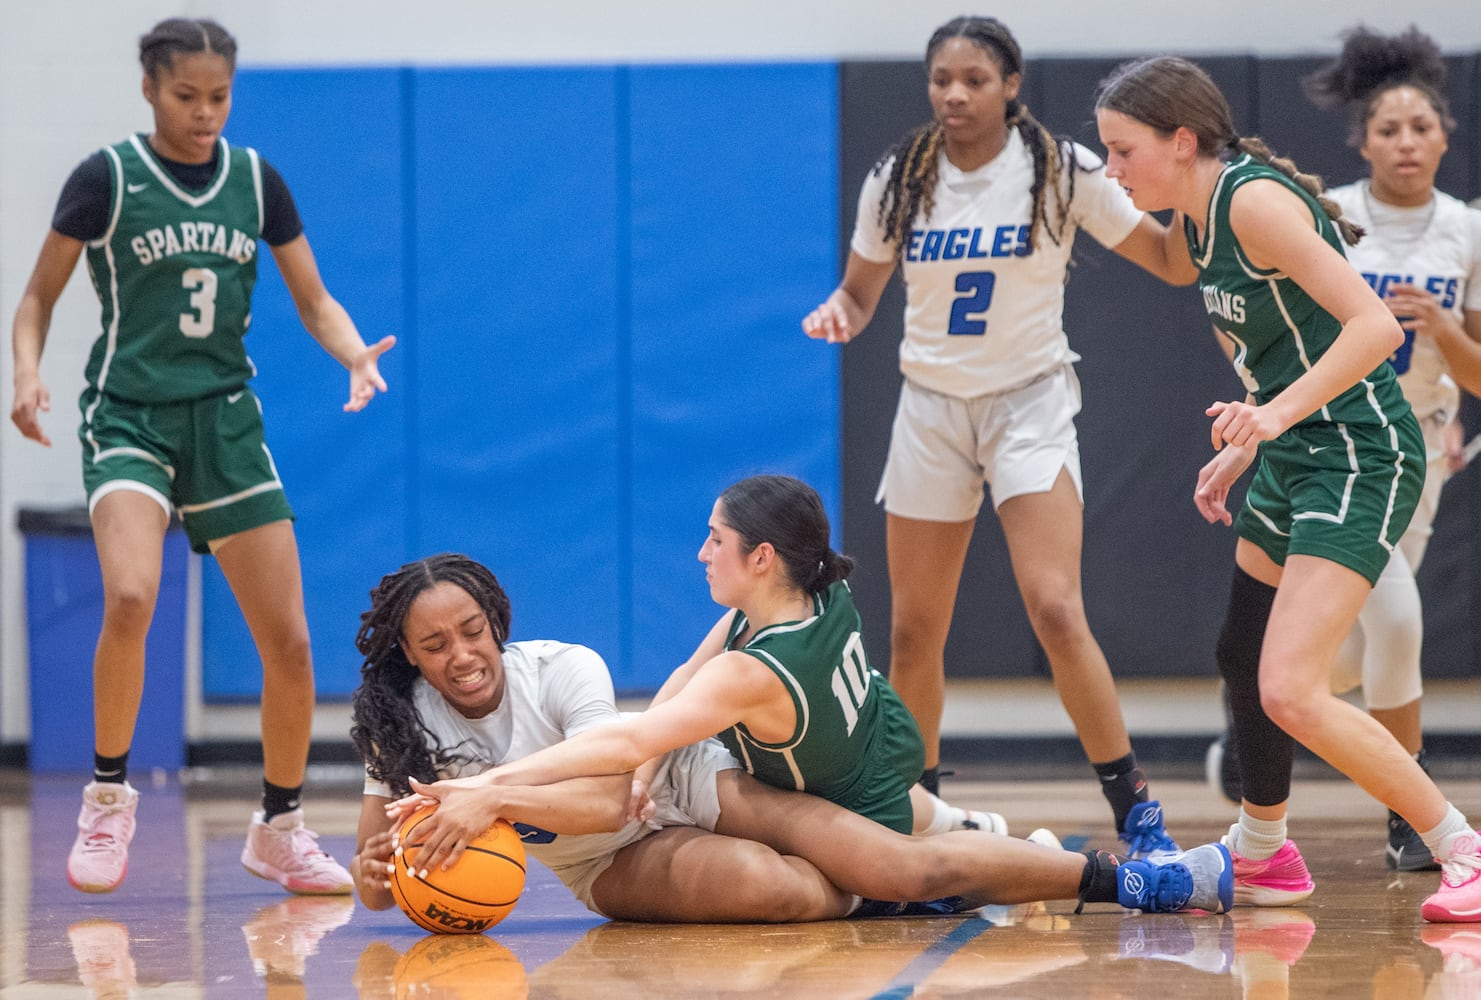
x=336, y=137
x=734, y=222
x=520, y=278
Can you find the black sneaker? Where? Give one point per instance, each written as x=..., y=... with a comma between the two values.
x=947, y=906
x=1406, y=849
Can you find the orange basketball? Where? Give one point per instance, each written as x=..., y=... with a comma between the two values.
x=471, y=896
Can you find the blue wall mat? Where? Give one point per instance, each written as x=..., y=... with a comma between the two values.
x=337, y=138
x=734, y=180
x=519, y=458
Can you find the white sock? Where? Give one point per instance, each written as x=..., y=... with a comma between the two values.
x=944, y=819
x=1256, y=839
x=1454, y=822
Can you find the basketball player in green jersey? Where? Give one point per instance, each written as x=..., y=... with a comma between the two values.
x=172, y=224
x=1341, y=464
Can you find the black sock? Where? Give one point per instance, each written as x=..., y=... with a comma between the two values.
x=111, y=769
x=930, y=780
x=1123, y=784
x=1098, y=880
x=277, y=800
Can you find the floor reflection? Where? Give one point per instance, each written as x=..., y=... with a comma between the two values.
x=190, y=922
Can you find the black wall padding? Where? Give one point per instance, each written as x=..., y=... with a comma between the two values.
x=1156, y=576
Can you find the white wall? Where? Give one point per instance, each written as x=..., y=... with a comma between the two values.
x=69, y=83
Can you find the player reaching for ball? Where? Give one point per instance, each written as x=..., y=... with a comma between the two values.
x=172, y=223
x=444, y=693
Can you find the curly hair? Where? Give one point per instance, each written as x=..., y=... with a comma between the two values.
x=386, y=729
x=1370, y=65
x=914, y=161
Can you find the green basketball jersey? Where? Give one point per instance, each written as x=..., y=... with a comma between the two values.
x=174, y=272
x=1278, y=330
x=855, y=743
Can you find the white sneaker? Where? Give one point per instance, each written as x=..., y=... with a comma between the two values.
x=988, y=822
x=284, y=851
x=100, y=854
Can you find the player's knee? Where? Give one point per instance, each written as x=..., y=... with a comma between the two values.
x=1290, y=706
x=129, y=605
x=1057, y=614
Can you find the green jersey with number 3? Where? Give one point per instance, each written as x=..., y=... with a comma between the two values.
x=855, y=743
x=174, y=272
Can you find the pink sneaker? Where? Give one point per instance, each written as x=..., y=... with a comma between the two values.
x=284, y=852
x=1459, y=897
x=100, y=854
x=101, y=950
x=281, y=936
x=1279, y=880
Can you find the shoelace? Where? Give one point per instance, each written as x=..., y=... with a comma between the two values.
x=304, y=847
x=96, y=843
x=1460, y=869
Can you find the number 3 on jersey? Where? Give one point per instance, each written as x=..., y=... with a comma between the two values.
x=201, y=283
x=851, y=680
x=976, y=289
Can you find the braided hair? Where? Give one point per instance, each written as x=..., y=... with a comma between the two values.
x=914, y=161
x=1370, y=65
x=184, y=36
x=789, y=514
x=386, y=729
x=1168, y=93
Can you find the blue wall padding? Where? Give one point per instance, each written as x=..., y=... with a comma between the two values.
x=596, y=337
x=519, y=373
x=734, y=201
x=337, y=138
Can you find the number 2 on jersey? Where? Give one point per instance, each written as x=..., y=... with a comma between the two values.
x=976, y=289
x=851, y=680
x=201, y=283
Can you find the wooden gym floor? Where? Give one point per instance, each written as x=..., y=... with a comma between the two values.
x=190, y=922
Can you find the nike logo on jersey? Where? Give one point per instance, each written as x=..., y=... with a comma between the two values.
x=233, y=397
x=136, y=188
x=1316, y=448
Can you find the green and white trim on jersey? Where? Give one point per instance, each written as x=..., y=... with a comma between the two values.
x=1278, y=330
x=174, y=273
x=854, y=743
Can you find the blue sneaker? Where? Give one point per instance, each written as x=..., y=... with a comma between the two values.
x=1145, y=838
x=1200, y=879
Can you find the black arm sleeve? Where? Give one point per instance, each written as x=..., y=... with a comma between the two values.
x=280, y=221
x=82, y=207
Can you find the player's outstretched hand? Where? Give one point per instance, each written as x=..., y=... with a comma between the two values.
x=462, y=814
x=365, y=374
x=828, y=322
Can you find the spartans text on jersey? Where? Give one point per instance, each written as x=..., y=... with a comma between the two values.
x=1222, y=304
x=193, y=237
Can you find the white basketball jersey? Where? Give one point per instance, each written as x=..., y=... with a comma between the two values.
x=982, y=313
x=1435, y=246
x=553, y=690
